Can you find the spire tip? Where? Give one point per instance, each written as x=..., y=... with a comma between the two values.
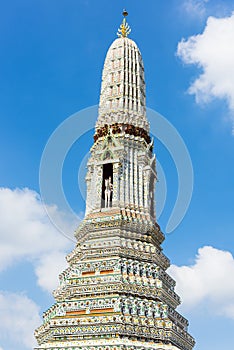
x=124, y=29
x=125, y=13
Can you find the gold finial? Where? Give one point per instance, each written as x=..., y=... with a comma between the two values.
x=124, y=29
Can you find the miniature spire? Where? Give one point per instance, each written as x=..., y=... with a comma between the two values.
x=124, y=29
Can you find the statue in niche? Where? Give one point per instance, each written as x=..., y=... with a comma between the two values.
x=108, y=191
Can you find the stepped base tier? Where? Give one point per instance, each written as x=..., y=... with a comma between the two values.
x=116, y=293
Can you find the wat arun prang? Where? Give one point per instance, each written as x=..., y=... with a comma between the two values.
x=116, y=293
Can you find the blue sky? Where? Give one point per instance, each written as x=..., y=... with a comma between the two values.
x=51, y=59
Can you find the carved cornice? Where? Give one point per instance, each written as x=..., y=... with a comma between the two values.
x=73, y=333
x=120, y=128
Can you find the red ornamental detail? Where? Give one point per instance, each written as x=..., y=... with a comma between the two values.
x=137, y=131
x=116, y=128
x=127, y=128
x=103, y=131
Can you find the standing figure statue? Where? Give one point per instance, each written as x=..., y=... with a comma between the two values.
x=108, y=190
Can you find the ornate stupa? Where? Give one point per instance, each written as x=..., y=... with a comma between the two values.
x=116, y=293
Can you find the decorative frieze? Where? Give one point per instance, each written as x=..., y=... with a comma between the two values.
x=122, y=129
x=162, y=332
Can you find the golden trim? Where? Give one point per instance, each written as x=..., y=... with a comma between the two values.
x=124, y=29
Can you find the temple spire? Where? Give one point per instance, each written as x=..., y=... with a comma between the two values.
x=124, y=29
x=116, y=293
x=122, y=98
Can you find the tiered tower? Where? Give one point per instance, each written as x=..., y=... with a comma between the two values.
x=116, y=293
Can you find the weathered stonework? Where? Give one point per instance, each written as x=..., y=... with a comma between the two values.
x=116, y=293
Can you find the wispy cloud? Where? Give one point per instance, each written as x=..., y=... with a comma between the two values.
x=208, y=280
x=195, y=8
x=19, y=318
x=27, y=233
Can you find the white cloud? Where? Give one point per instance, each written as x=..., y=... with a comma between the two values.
x=49, y=268
x=19, y=318
x=213, y=52
x=195, y=8
x=27, y=233
x=209, y=279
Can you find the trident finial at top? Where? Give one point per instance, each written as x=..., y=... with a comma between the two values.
x=124, y=29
